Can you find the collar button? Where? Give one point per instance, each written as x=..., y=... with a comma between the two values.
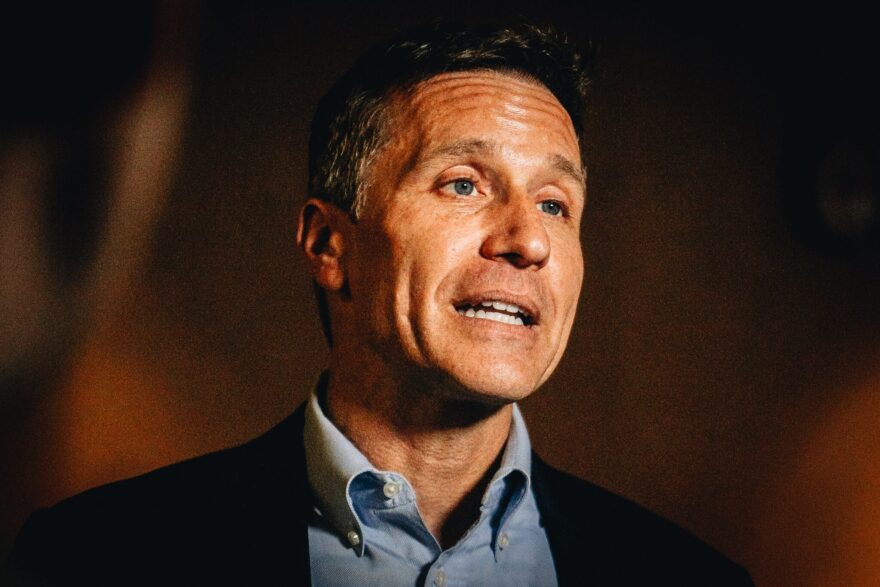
x=391, y=489
x=503, y=541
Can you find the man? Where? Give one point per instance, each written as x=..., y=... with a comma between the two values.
x=442, y=231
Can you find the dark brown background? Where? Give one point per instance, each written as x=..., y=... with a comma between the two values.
x=724, y=369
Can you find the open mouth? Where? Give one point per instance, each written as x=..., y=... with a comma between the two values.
x=496, y=310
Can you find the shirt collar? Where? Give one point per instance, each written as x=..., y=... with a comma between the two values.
x=333, y=461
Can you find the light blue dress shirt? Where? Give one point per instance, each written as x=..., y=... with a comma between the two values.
x=366, y=528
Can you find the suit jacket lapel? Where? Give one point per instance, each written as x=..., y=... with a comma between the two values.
x=282, y=502
x=565, y=540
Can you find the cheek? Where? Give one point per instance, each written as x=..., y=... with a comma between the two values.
x=434, y=244
x=450, y=254
x=408, y=264
x=431, y=264
x=571, y=272
x=371, y=277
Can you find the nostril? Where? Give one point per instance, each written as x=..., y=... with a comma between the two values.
x=524, y=260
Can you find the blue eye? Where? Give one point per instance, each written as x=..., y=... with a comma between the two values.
x=551, y=207
x=463, y=187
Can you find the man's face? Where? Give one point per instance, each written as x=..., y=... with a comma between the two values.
x=465, y=265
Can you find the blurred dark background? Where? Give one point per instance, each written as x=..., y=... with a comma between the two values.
x=725, y=364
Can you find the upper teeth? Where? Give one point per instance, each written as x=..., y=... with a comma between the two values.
x=488, y=314
x=502, y=306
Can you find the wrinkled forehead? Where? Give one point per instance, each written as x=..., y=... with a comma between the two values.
x=505, y=110
x=512, y=95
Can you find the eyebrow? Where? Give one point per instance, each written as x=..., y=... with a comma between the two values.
x=564, y=165
x=459, y=148
x=474, y=146
x=452, y=151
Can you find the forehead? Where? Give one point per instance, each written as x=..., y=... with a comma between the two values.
x=482, y=104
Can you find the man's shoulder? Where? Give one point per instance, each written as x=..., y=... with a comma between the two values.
x=598, y=533
x=217, y=479
x=232, y=502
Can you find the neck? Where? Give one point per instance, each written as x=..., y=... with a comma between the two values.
x=448, y=449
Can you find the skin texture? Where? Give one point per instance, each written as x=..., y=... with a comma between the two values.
x=477, y=195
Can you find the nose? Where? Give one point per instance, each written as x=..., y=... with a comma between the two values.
x=517, y=235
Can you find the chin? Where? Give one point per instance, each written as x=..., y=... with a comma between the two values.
x=499, y=386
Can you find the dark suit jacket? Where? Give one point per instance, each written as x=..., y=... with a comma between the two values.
x=241, y=516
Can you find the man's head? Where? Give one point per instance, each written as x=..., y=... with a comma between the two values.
x=351, y=121
x=447, y=187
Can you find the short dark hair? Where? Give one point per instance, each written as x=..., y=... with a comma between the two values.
x=350, y=124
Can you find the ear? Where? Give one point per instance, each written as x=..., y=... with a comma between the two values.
x=321, y=236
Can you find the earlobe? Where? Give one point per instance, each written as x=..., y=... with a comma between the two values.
x=321, y=239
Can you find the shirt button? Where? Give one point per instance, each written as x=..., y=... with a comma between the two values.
x=353, y=538
x=391, y=489
x=440, y=578
x=503, y=541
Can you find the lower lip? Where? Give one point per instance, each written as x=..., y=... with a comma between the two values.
x=498, y=327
